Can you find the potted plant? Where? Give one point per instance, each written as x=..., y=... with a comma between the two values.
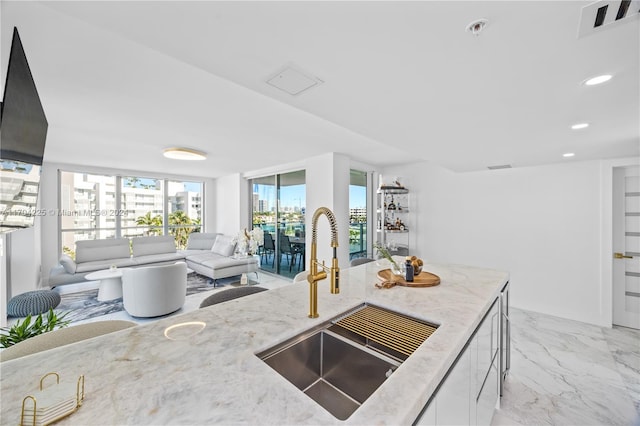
x=26, y=329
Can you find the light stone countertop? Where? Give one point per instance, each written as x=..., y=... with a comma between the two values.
x=138, y=376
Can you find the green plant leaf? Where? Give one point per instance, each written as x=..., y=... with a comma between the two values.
x=25, y=329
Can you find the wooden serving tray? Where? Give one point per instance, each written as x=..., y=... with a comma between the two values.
x=424, y=279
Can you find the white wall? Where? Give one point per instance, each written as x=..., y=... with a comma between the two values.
x=327, y=185
x=25, y=261
x=229, y=216
x=542, y=224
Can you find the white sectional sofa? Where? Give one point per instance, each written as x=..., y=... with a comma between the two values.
x=209, y=254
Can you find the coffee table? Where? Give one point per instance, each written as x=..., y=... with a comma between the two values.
x=110, y=283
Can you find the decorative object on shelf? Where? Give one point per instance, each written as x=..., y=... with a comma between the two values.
x=25, y=329
x=424, y=279
x=391, y=183
x=248, y=242
x=392, y=205
x=392, y=209
x=51, y=404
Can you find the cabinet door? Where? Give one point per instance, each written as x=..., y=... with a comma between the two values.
x=488, y=397
x=428, y=416
x=453, y=398
x=487, y=337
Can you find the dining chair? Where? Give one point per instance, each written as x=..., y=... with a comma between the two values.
x=298, y=250
x=287, y=249
x=268, y=247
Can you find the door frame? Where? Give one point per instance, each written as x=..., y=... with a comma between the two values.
x=606, y=246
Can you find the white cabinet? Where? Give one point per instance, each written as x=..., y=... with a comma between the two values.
x=453, y=400
x=428, y=415
x=486, y=372
x=488, y=397
x=392, y=212
x=469, y=392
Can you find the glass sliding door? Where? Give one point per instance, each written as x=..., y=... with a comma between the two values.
x=358, y=214
x=278, y=207
x=291, y=222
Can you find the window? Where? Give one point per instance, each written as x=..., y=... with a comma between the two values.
x=184, y=210
x=96, y=206
x=83, y=200
x=141, y=206
x=358, y=214
x=278, y=207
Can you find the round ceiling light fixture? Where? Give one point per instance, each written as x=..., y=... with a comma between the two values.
x=184, y=154
x=477, y=26
x=568, y=155
x=579, y=126
x=597, y=80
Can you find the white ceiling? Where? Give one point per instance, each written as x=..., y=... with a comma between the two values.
x=402, y=82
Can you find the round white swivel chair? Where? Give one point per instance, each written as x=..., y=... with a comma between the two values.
x=152, y=291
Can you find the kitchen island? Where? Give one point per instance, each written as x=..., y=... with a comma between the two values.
x=140, y=376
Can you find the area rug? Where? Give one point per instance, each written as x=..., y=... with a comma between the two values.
x=83, y=305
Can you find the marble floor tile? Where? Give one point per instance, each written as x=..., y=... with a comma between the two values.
x=569, y=373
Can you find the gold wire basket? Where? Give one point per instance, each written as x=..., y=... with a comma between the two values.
x=51, y=404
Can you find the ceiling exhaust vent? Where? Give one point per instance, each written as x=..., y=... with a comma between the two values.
x=293, y=81
x=502, y=166
x=607, y=14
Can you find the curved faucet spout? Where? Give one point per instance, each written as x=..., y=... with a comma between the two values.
x=315, y=275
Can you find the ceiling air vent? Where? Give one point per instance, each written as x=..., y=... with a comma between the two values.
x=502, y=166
x=607, y=14
x=293, y=81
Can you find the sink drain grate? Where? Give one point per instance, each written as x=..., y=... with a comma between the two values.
x=390, y=329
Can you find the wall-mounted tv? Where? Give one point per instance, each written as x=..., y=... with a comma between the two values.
x=23, y=133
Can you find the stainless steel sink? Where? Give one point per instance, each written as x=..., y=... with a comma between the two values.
x=331, y=370
x=339, y=368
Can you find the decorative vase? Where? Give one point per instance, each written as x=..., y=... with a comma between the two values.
x=398, y=269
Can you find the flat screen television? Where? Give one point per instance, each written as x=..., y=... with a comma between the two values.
x=23, y=133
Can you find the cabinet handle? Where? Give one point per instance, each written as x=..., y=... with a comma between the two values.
x=621, y=256
x=493, y=317
x=507, y=363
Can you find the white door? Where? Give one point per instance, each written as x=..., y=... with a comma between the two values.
x=626, y=246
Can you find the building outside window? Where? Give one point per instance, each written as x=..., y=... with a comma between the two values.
x=96, y=206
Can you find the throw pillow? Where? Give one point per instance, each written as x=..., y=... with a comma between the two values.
x=68, y=264
x=224, y=245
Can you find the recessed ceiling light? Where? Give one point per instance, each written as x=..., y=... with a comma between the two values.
x=597, y=80
x=184, y=154
x=568, y=154
x=580, y=126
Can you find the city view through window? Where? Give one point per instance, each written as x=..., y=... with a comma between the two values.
x=279, y=208
x=89, y=208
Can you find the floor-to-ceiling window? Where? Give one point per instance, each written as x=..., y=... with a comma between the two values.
x=184, y=210
x=84, y=197
x=278, y=207
x=142, y=206
x=357, y=214
x=94, y=206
